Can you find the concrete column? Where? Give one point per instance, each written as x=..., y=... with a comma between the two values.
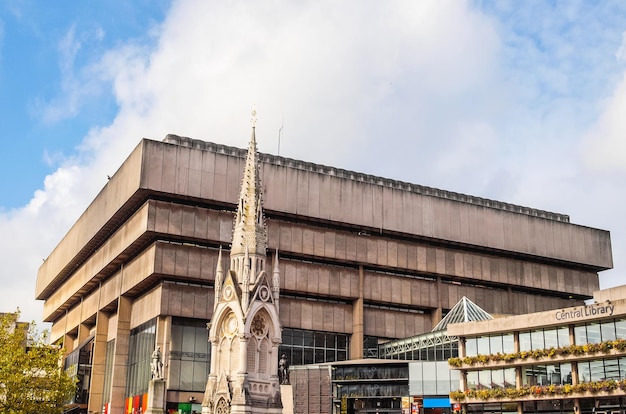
x=358, y=336
x=96, y=387
x=120, y=358
x=436, y=314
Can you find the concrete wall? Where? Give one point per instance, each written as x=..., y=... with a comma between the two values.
x=322, y=194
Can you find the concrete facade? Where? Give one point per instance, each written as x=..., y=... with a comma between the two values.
x=360, y=255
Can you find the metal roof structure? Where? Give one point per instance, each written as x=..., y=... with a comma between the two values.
x=464, y=311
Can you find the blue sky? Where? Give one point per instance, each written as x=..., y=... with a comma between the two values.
x=521, y=102
x=37, y=62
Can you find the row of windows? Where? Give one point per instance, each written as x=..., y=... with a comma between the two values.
x=553, y=406
x=601, y=370
x=486, y=379
x=552, y=374
x=189, y=359
x=547, y=338
x=593, y=333
x=436, y=352
x=312, y=347
x=141, y=346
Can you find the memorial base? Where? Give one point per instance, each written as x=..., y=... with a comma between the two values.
x=156, y=397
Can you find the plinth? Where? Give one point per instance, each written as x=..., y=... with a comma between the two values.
x=156, y=397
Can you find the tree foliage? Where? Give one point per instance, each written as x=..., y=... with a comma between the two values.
x=32, y=379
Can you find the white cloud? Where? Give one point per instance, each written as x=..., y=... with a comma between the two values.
x=605, y=143
x=411, y=90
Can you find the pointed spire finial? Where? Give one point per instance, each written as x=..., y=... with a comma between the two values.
x=253, y=120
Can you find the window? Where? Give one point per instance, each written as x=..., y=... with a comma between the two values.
x=557, y=374
x=308, y=347
x=141, y=345
x=190, y=356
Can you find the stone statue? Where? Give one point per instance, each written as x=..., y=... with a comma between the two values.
x=157, y=364
x=283, y=370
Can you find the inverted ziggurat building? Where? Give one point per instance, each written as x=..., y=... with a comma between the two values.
x=277, y=256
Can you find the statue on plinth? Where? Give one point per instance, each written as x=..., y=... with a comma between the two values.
x=157, y=364
x=283, y=370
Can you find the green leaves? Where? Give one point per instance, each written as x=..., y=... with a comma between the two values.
x=32, y=379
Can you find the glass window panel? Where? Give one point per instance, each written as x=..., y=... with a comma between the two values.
x=620, y=329
x=497, y=378
x=554, y=374
x=607, y=330
x=541, y=374
x=551, y=339
x=508, y=344
x=330, y=340
x=611, y=369
x=186, y=375
x=298, y=337
x=330, y=355
x=342, y=355
x=177, y=337
x=297, y=356
x=483, y=345
x=287, y=337
x=484, y=379
x=622, y=367
x=319, y=356
x=189, y=340
x=495, y=344
x=202, y=341
x=200, y=373
x=509, y=377
x=472, y=380
x=524, y=341
x=537, y=341
x=471, y=347
x=307, y=338
x=307, y=355
x=580, y=335
x=584, y=373
x=530, y=375
x=563, y=336
x=319, y=339
x=597, y=370
x=566, y=373
x=593, y=333
x=342, y=341
x=454, y=349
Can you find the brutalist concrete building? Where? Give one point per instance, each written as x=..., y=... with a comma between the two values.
x=363, y=260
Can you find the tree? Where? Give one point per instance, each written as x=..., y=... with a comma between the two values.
x=32, y=379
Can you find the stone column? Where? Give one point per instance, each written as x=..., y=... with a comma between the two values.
x=96, y=391
x=243, y=353
x=120, y=358
x=358, y=335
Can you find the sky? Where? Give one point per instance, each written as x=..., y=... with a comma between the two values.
x=521, y=102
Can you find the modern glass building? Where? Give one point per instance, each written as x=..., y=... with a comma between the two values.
x=569, y=360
